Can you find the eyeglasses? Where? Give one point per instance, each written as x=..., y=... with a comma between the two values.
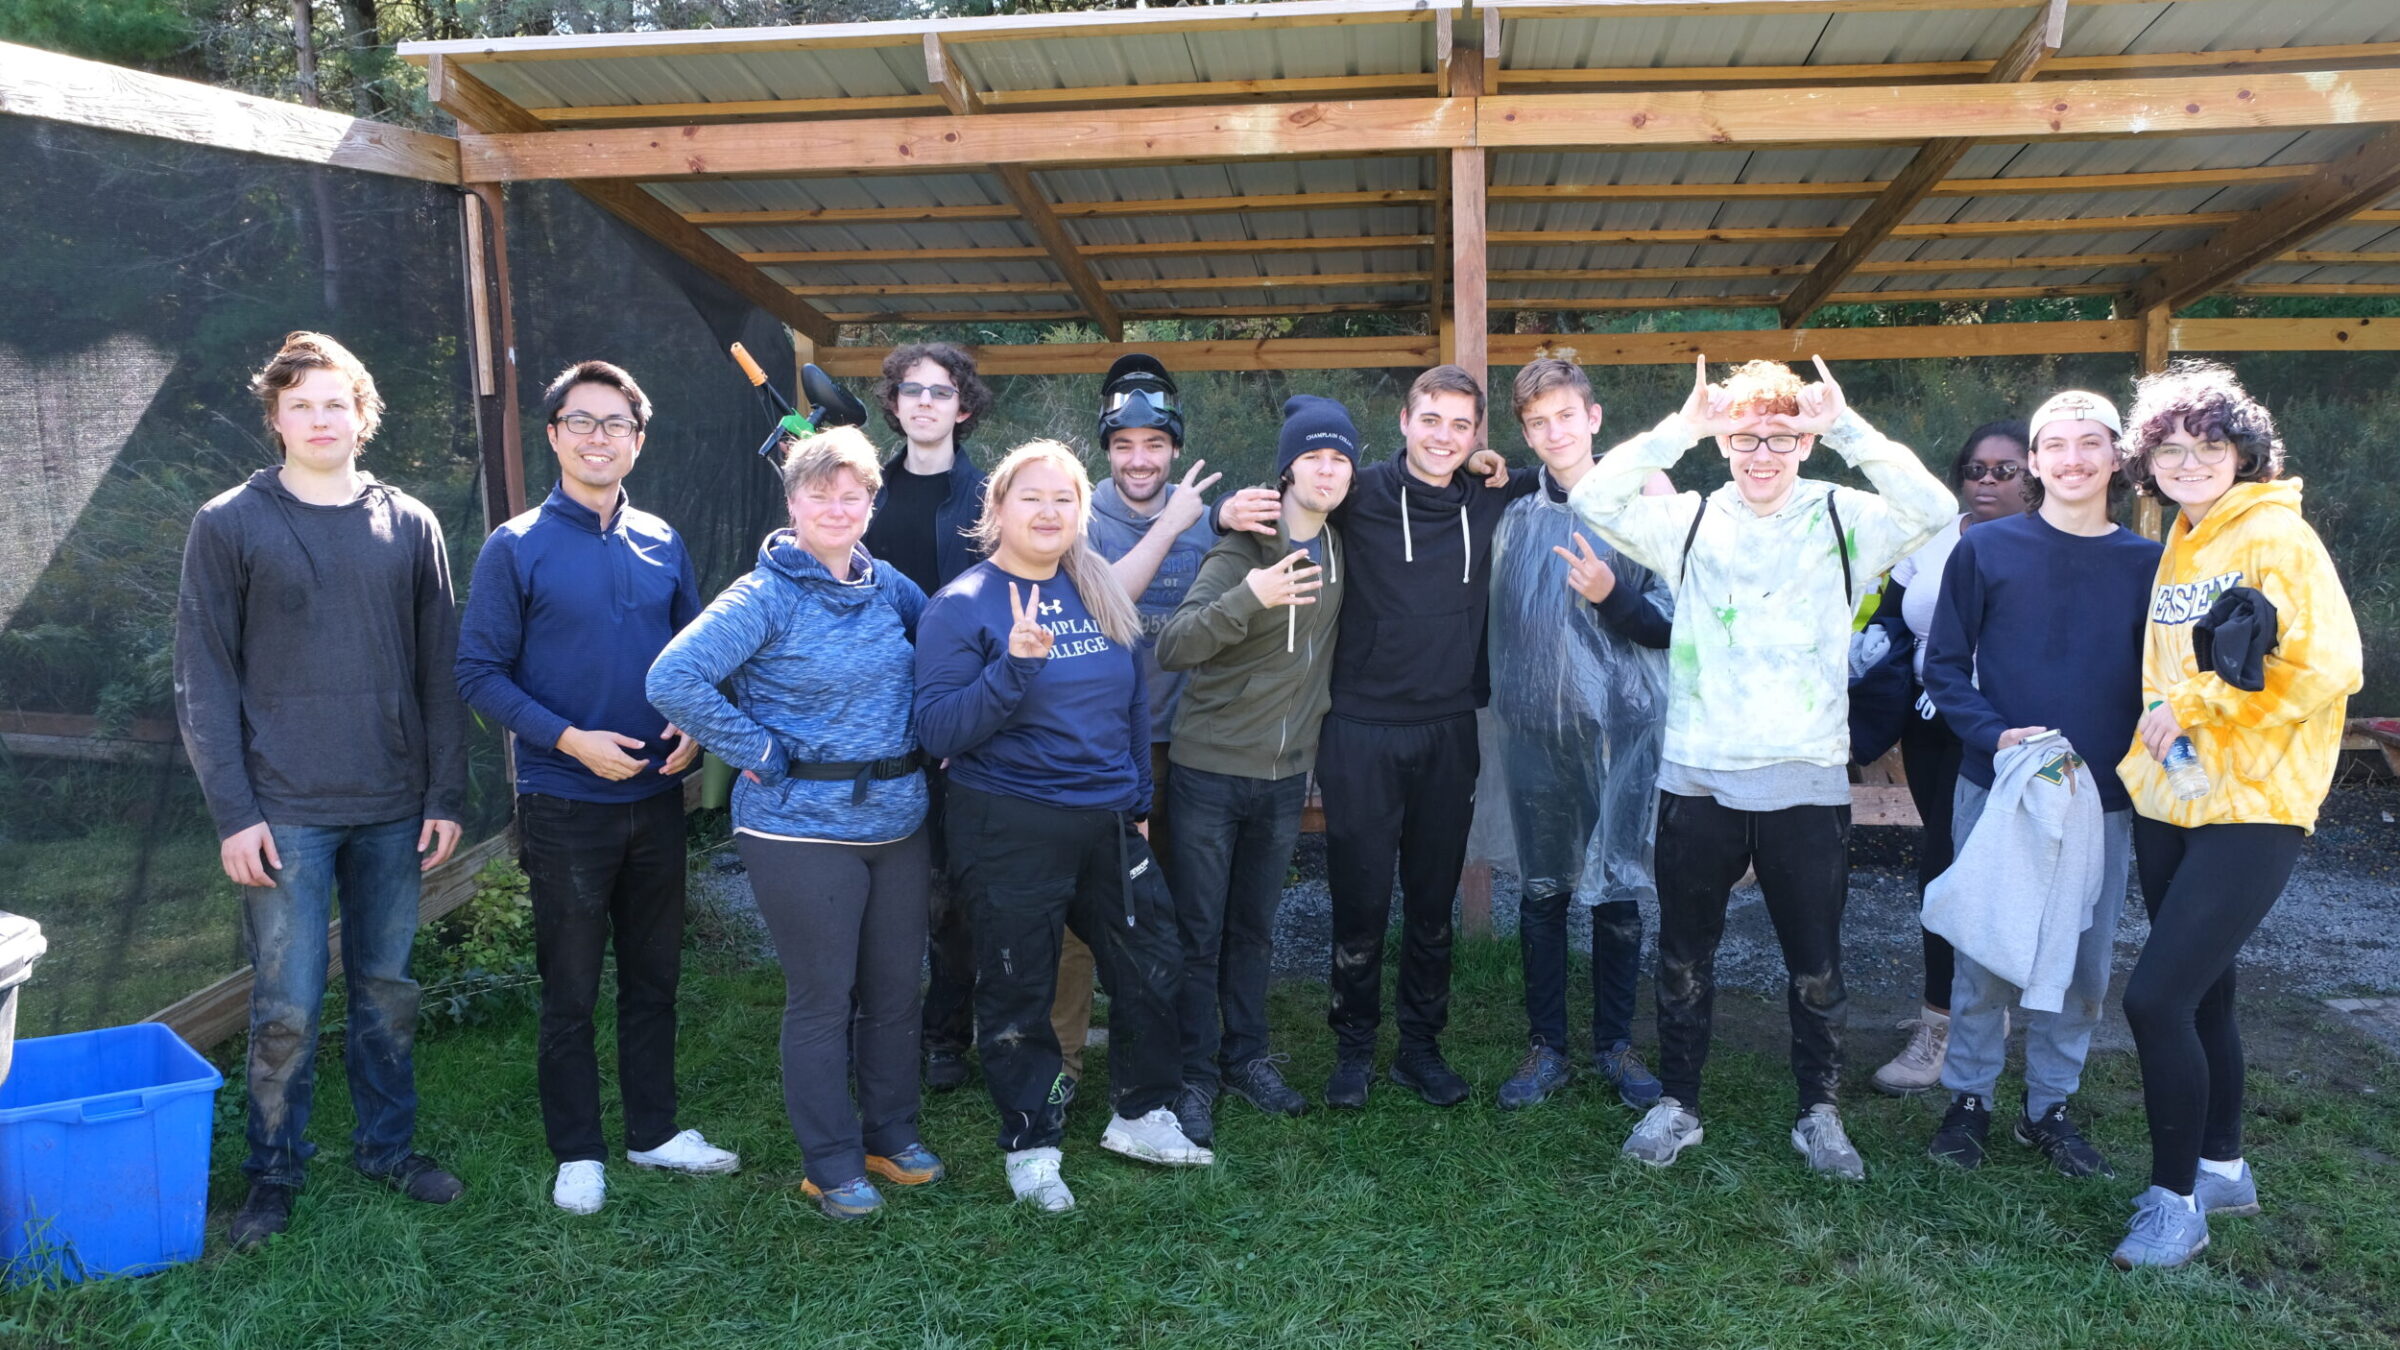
x=584, y=424
x=2005, y=472
x=2210, y=453
x=1743, y=443
x=939, y=393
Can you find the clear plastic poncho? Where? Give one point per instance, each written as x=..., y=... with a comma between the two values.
x=1581, y=710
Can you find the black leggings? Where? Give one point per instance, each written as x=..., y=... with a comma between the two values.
x=2206, y=890
x=1930, y=753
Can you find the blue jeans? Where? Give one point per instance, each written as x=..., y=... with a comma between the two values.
x=1226, y=862
x=374, y=869
x=2056, y=1043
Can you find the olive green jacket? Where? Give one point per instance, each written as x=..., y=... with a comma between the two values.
x=1261, y=678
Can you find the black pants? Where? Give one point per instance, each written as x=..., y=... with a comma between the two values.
x=595, y=869
x=1616, y=964
x=950, y=946
x=1026, y=870
x=1403, y=794
x=1802, y=854
x=1930, y=754
x=2206, y=890
x=1227, y=860
x=849, y=927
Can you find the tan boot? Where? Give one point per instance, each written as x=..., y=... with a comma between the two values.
x=1918, y=1066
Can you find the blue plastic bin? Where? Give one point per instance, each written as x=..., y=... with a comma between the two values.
x=104, y=1153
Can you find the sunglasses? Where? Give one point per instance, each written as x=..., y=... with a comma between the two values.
x=1998, y=473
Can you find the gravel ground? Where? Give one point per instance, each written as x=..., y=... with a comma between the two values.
x=2336, y=930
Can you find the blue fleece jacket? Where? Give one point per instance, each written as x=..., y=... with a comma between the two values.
x=562, y=621
x=821, y=675
x=1071, y=729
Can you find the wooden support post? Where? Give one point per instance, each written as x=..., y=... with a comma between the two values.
x=491, y=316
x=1466, y=328
x=2158, y=334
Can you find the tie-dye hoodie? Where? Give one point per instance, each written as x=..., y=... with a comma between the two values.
x=1758, y=669
x=2269, y=755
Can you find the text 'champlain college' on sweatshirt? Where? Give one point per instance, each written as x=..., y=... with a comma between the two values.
x=2270, y=755
x=2020, y=894
x=1758, y=668
x=1260, y=679
x=1412, y=625
x=561, y=624
x=313, y=651
x=1116, y=529
x=1071, y=729
x=2040, y=628
x=822, y=673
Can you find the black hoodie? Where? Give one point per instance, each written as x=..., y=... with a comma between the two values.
x=313, y=654
x=1419, y=584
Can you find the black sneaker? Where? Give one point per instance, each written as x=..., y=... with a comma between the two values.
x=1346, y=1089
x=266, y=1212
x=1965, y=1127
x=2064, y=1145
x=1195, y=1112
x=1261, y=1084
x=421, y=1178
x=1427, y=1074
x=945, y=1070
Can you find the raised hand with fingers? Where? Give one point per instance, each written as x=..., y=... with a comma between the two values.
x=1821, y=404
x=1256, y=509
x=1708, y=409
x=1026, y=636
x=1588, y=574
x=1185, y=505
x=1292, y=581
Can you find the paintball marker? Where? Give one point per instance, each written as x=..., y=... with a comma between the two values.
x=835, y=406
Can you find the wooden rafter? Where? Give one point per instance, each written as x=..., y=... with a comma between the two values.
x=1951, y=229
x=2339, y=191
x=477, y=105
x=1173, y=248
x=1033, y=205
x=2046, y=186
x=1932, y=163
x=1162, y=206
x=1140, y=285
x=2348, y=55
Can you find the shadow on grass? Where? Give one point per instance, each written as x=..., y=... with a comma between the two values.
x=1404, y=1225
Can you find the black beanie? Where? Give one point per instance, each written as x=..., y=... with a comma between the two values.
x=1313, y=423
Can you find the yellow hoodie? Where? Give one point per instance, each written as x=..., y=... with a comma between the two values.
x=2269, y=755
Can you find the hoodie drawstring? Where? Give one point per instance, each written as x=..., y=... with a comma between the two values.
x=1466, y=538
x=1408, y=543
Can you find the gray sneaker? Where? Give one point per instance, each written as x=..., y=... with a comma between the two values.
x=2165, y=1232
x=1666, y=1131
x=2235, y=1198
x=1819, y=1137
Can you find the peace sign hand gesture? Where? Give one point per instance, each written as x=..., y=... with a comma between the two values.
x=1026, y=637
x=1821, y=404
x=1588, y=575
x=1292, y=581
x=1185, y=505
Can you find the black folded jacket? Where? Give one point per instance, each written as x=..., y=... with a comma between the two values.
x=2235, y=637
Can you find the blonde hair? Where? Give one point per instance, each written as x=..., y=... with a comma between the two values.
x=1086, y=570
x=303, y=352
x=1764, y=389
x=816, y=460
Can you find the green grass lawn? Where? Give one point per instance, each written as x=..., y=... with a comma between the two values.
x=1405, y=1225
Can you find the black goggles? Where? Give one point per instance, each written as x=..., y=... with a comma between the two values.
x=1147, y=407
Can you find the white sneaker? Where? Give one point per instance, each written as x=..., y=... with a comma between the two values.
x=580, y=1188
x=687, y=1152
x=1155, y=1138
x=1665, y=1131
x=1820, y=1139
x=1033, y=1175
x=1918, y=1066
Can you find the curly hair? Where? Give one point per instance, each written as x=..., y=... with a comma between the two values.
x=2206, y=400
x=1764, y=389
x=974, y=396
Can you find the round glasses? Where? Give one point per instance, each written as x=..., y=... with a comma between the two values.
x=2210, y=453
x=584, y=424
x=1743, y=443
x=1999, y=473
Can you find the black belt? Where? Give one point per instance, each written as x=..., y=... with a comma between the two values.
x=860, y=772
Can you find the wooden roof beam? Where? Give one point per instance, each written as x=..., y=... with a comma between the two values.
x=2342, y=190
x=2346, y=55
x=1017, y=185
x=1143, y=285
x=478, y=106
x=1949, y=229
x=2030, y=186
x=1177, y=248
x=1159, y=206
x=2036, y=44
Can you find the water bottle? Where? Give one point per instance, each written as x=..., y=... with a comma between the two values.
x=2185, y=777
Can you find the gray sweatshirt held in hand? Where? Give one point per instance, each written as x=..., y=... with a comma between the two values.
x=2020, y=894
x=313, y=653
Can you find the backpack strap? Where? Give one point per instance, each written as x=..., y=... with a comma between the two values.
x=1841, y=545
x=1684, y=563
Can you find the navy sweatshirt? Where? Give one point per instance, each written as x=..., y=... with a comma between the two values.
x=562, y=622
x=1071, y=729
x=2041, y=628
x=1419, y=560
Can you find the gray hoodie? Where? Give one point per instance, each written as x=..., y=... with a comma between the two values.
x=2020, y=893
x=1116, y=528
x=313, y=655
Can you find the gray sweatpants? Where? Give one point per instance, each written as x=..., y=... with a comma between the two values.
x=849, y=927
x=2055, y=1042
